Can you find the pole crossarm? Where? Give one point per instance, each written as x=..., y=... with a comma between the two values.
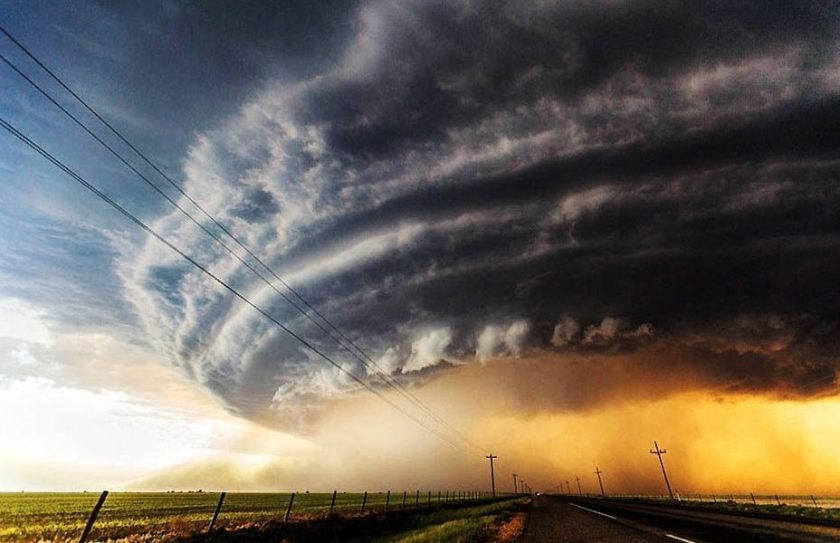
x=598, y=472
x=491, y=457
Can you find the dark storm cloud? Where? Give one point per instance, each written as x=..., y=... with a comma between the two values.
x=445, y=65
x=487, y=179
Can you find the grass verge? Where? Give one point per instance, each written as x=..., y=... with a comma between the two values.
x=466, y=524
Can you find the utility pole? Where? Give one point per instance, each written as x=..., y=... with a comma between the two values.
x=568, y=488
x=577, y=480
x=490, y=457
x=659, y=452
x=515, y=489
x=598, y=472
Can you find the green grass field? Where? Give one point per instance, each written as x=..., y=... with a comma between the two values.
x=61, y=517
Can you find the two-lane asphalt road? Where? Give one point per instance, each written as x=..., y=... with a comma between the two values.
x=553, y=520
x=556, y=519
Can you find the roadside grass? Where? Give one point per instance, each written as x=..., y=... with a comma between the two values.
x=464, y=525
x=832, y=513
x=455, y=531
x=790, y=510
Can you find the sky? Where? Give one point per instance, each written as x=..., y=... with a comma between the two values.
x=569, y=228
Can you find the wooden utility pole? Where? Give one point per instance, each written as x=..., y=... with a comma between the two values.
x=515, y=489
x=490, y=457
x=659, y=452
x=598, y=472
x=577, y=480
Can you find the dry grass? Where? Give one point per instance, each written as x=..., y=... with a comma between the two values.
x=511, y=530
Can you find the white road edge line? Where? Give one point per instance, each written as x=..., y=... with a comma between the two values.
x=597, y=512
x=679, y=538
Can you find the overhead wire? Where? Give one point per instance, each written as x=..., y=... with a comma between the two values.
x=356, y=351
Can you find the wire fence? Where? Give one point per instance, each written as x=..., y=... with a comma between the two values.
x=82, y=517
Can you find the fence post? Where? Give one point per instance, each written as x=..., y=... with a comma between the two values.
x=289, y=508
x=387, y=500
x=430, y=499
x=447, y=497
x=216, y=512
x=438, y=496
x=405, y=495
x=364, y=502
x=332, y=503
x=417, y=499
x=93, y=515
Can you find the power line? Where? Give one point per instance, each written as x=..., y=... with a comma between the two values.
x=365, y=359
x=133, y=218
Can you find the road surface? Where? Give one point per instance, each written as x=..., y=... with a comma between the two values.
x=560, y=520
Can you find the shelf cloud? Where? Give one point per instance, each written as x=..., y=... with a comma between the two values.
x=469, y=182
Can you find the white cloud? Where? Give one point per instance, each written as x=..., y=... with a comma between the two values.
x=516, y=335
x=488, y=342
x=389, y=362
x=21, y=322
x=429, y=349
x=495, y=339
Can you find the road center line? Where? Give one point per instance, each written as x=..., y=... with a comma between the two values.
x=598, y=512
x=679, y=538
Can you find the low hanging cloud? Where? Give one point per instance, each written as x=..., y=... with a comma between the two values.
x=497, y=340
x=564, y=332
x=612, y=329
x=428, y=350
x=461, y=175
